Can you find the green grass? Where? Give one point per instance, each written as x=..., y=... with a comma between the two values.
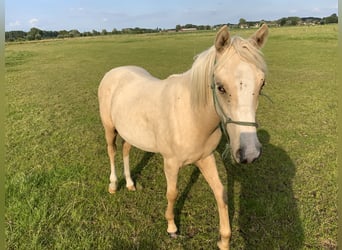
x=57, y=168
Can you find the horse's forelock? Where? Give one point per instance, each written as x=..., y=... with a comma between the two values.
x=247, y=52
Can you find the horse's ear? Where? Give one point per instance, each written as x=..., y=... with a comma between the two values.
x=222, y=38
x=260, y=36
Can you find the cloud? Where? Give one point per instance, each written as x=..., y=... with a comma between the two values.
x=15, y=24
x=76, y=10
x=316, y=10
x=33, y=21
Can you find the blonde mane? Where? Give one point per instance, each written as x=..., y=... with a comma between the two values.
x=203, y=68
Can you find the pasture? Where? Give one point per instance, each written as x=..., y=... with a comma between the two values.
x=57, y=168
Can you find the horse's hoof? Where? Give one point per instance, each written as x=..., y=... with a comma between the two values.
x=173, y=235
x=222, y=246
x=111, y=190
x=131, y=188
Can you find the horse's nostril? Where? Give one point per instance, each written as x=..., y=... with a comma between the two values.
x=243, y=161
x=247, y=157
x=240, y=154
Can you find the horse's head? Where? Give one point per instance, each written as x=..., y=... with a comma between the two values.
x=239, y=76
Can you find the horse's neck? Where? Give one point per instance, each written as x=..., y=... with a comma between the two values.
x=205, y=115
x=208, y=118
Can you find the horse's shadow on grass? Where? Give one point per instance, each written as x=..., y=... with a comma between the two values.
x=265, y=214
x=183, y=197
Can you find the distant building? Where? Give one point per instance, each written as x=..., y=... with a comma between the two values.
x=188, y=29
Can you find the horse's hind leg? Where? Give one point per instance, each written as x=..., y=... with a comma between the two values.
x=111, y=149
x=126, y=147
x=171, y=172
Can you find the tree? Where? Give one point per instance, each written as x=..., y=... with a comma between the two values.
x=178, y=27
x=189, y=26
x=293, y=20
x=87, y=33
x=63, y=34
x=16, y=35
x=95, y=33
x=331, y=19
x=115, y=31
x=242, y=21
x=49, y=34
x=74, y=33
x=34, y=33
x=38, y=37
x=282, y=21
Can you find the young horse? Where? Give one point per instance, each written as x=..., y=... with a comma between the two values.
x=179, y=117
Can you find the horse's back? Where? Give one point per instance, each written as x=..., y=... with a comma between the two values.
x=128, y=97
x=119, y=79
x=125, y=74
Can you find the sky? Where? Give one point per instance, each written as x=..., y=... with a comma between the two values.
x=88, y=15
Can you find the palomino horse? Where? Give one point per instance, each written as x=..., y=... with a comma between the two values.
x=179, y=117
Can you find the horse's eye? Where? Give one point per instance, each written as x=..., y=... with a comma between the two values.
x=263, y=84
x=221, y=89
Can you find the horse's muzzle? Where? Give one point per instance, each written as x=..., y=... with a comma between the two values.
x=245, y=155
x=250, y=148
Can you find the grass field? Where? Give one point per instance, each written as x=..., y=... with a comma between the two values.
x=57, y=169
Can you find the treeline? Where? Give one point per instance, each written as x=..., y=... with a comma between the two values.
x=192, y=26
x=37, y=34
x=308, y=20
x=289, y=21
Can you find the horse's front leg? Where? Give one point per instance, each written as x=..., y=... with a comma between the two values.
x=209, y=170
x=171, y=172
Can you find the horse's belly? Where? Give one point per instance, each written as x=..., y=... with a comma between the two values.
x=143, y=140
x=137, y=130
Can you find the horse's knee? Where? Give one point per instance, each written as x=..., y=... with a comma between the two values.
x=225, y=233
x=171, y=195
